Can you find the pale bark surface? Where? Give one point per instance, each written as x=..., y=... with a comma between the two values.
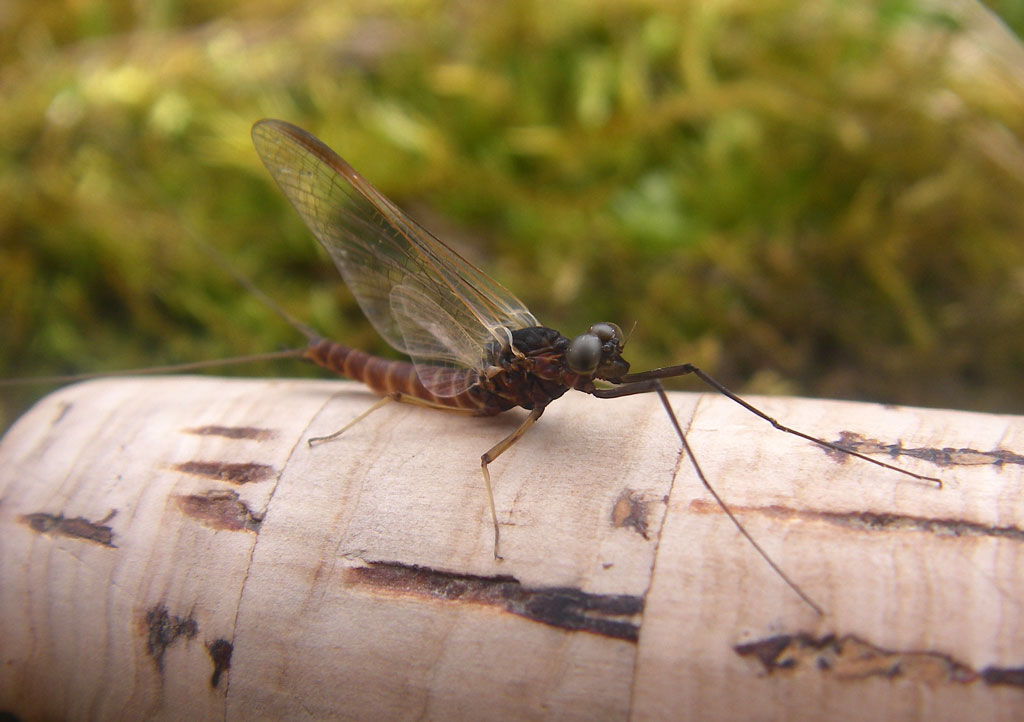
x=171, y=548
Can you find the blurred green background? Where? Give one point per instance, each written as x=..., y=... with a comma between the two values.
x=818, y=197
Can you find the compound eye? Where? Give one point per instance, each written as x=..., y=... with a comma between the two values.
x=584, y=353
x=606, y=332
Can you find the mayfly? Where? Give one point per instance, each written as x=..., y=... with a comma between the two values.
x=474, y=347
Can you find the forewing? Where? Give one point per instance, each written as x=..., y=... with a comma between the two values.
x=377, y=248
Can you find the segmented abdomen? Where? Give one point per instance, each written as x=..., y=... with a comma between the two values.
x=385, y=376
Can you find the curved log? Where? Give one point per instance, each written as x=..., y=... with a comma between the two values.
x=171, y=548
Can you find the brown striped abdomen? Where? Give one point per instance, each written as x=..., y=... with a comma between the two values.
x=386, y=376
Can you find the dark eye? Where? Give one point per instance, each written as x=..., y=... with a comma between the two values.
x=584, y=353
x=607, y=332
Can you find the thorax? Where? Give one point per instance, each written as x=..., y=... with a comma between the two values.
x=532, y=372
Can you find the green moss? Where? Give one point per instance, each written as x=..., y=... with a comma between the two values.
x=806, y=197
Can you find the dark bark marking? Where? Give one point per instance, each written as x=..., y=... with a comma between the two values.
x=630, y=512
x=870, y=521
x=608, y=615
x=220, y=510
x=234, y=432
x=946, y=456
x=233, y=473
x=163, y=629
x=220, y=652
x=852, y=658
x=76, y=527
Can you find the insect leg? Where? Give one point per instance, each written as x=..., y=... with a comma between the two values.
x=393, y=396
x=493, y=453
x=653, y=384
x=684, y=369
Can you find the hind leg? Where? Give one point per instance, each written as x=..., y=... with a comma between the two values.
x=393, y=396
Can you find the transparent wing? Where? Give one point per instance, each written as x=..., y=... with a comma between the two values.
x=447, y=311
x=430, y=329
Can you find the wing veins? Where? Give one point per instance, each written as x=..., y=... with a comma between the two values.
x=379, y=249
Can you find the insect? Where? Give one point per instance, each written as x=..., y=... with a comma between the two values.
x=474, y=347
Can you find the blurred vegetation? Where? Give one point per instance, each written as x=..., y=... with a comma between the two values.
x=817, y=197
